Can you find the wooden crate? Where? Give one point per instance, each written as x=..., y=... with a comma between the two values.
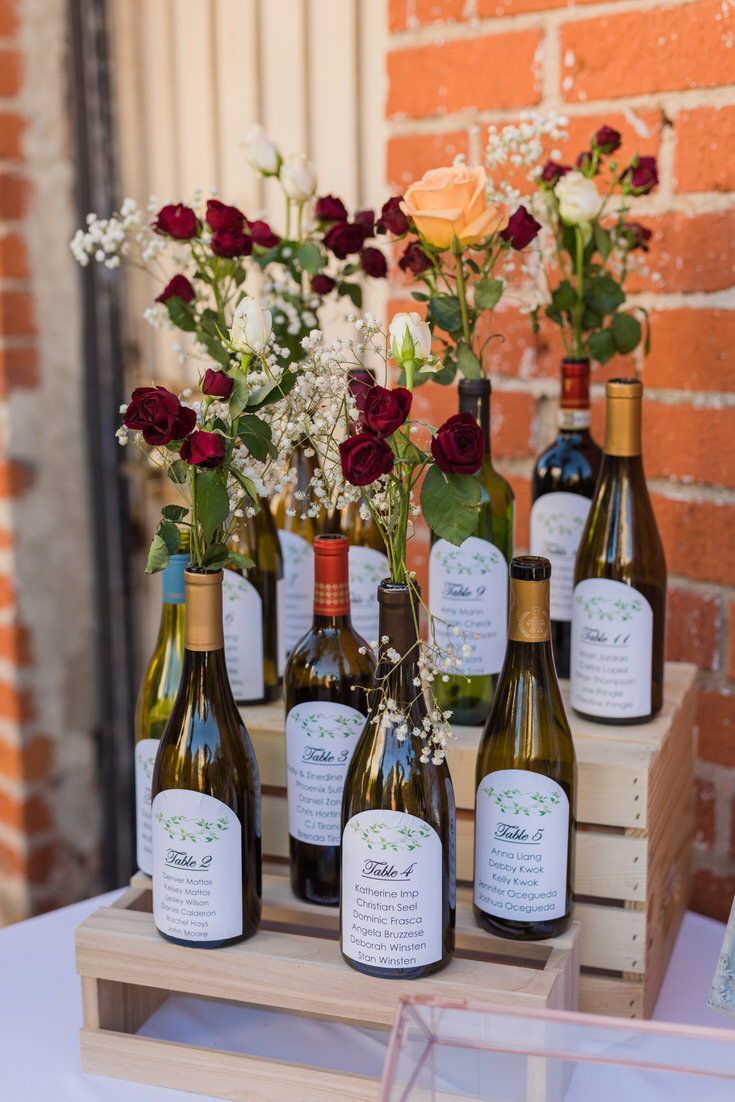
x=128, y=970
x=635, y=812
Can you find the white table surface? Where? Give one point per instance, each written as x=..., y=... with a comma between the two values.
x=40, y=1015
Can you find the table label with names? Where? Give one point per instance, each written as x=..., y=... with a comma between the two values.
x=368, y=568
x=468, y=588
x=242, y=619
x=557, y=523
x=298, y=587
x=145, y=758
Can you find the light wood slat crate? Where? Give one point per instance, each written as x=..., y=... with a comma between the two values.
x=635, y=814
x=292, y=964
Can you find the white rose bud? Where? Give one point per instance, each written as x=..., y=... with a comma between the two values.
x=251, y=326
x=410, y=338
x=579, y=199
x=298, y=178
x=260, y=151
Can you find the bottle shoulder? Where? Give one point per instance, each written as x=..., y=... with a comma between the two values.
x=331, y=653
x=571, y=463
x=621, y=537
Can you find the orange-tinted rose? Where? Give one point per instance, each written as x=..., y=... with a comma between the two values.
x=453, y=201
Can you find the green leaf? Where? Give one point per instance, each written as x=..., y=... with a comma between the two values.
x=174, y=512
x=563, y=301
x=255, y=435
x=604, y=294
x=178, y=472
x=603, y=241
x=602, y=346
x=216, y=555
x=447, y=374
x=405, y=449
x=353, y=292
x=181, y=314
x=450, y=503
x=214, y=347
x=468, y=362
x=242, y=562
x=213, y=503
x=488, y=293
x=158, y=555
x=169, y=533
x=309, y=257
x=419, y=296
x=239, y=396
x=445, y=312
x=626, y=331
x=272, y=392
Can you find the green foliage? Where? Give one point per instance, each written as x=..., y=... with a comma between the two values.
x=601, y=345
x=181, y=314
x=450, y=503
x=468, y=362
x=626, y=331
x=445, y=312
x=213, y=503
x=239, y=395
x=242, y=562
x=310, y=257
x=488, y=293
x=174, y=512
x=256, y=436
x=353, y=291
x=604, y=294
x=158, y=555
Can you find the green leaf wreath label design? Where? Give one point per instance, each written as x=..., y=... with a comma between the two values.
x=468, y=597
x=557, y=524
x=609, y=609
x=517, y=802
x=181, y=828
x=298, y=586
x=387, y=837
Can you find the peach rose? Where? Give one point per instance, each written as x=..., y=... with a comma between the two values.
x=453, y=201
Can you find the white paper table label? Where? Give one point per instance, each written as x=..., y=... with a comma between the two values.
x=298, y=587
x=368, y=568
x=557, y=523
x=468, y=588
x=242, y=616
x=145, y=758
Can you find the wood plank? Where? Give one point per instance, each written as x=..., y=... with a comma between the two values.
x=620, y=998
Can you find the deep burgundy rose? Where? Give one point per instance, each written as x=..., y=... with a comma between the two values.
x=414, y=259
x=459, y=445
x=607, y=139
x=364, y=458
x=362, y=381
x=177, y=220
x=345, y=238
x=203, y=449
x=322, y=284
x=366, y=219
x=552, y=171
x=231, y=243
x=386, y=410
x=373, y=263
x=521, y=229
x=328, y=208
x=178, y=287
x=217, y=384
x=642, y=176
x=220, y=216
x=159, y=415
x=392, y=217
x=636, y=235
x=263, y=235
x=585, y=161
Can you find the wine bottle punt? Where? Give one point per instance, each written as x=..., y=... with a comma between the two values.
x=619, y=608
x=526, y=778
x=563, y=484
x=326, y=689
x=397, y=909
x=468, y=585
x=296, y=533
x=206, y=794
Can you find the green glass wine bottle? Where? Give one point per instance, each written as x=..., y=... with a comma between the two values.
x=206, y=794
x=296, y=533
x=526, y=778
x=327, y=678
x=254, y=608
x=619, y=607
x=398, y=902
x=468, y=585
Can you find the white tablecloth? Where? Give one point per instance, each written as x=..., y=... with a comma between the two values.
x=40, y=1015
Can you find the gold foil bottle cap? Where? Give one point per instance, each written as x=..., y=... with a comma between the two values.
x=623, y=416
x=528, y=620
x=203, y=629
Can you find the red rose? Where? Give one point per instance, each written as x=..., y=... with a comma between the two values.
x=231, y=243
x=322, y=284
x=221, y=217
x=521, y=229
x=553, y=172
x=203, y=449
x=366, y=219
x=607, y=139
x=217, y=384
x=414, y=259
x=177, y=220
x=641, y=176
x=328, y=208
x=459, y=445
x=364, y=458
x=344, y=238
x=159, y=415
x=392, y=217
x=373, y=263
x=362, y=381
x=636, y=236
x=263, y=235
x=386, y=410
x=178, y=287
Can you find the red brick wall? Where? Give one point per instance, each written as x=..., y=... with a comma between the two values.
x=667, y=69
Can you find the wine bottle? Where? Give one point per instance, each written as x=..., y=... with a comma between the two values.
x=468, y=585
x=326, y=683
x=206, y=794
x=398, y=824
x=253, y=611
x=619, y=608
x=296, y=533
x=526, y=778
x=156, y=699
x=368, y=568
x=561, y=491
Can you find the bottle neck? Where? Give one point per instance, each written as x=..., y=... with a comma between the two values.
x=204, y=632
x=623, y=428
x=529, y=626
x=173, y=596
x=398, y=623
x=574, y=399
x=479, y=406
x=331, y=583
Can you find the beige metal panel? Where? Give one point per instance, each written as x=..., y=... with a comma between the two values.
x=195, y=64
x=237, y=84
x=283, y=84
x=333, y=102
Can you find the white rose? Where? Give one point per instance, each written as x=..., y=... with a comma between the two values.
x=260, y=151
x=579, y=199
x=251, y=326
x=410, y=338
x=298, y=178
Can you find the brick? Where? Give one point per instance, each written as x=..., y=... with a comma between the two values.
x=11, y=72
x=488, y=9
x=730, y=665
x=712, y=894
x=16, y=314
x=493, y=71
x=411, y=156
x=9, y=18
x=15, y=704
x=694, y=253
x=655, y=50
x=689, y=443
x=29, y=762
x=12, y=127
x=522, y=490
x=705, y=149
x=15, y=478
x=7, y=592
x=693, y=628
x=13, y=257
x=704, y=813
x=29, y=816
x=640, y=132
x=696, y=534
x=691, y=350
x=19, y=368
x=715, y=726
x=13, y=861
x=405, y=14
x=511, y=424
x=14, y=193
x=15, y=644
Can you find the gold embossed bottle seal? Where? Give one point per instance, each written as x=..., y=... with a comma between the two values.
x=203, y=611
x=528, y=620
x=623, y=402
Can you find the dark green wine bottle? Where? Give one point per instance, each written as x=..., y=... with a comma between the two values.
x=398, y=824
x=327, y=678
x=206, y=794
x=468, y=585
x=526, y=778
